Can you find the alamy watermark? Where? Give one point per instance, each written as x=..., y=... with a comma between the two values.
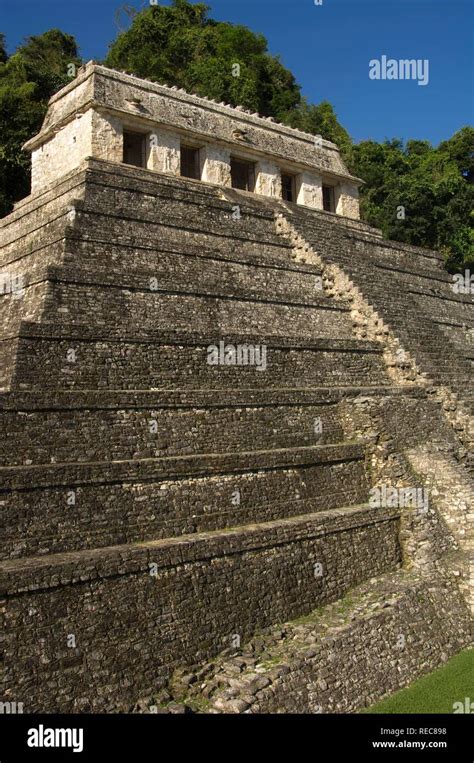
x=11, y=708
x=464, y=707
x=463, y=283
x=387, y=496
x=12, y=283
x=403, y=69
x=237, y=355
x=50, y=737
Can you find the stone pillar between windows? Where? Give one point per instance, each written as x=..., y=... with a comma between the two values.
x=268, y=179
x=309, y=190
x=347, y=201
x=107, y=137
x=215, y=165
x=163, y=153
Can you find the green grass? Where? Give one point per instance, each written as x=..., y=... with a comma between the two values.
x=436, y=692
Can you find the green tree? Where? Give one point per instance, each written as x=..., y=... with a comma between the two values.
x=320, y=120
x=3, y=50
x=460, y=148
x=179, y=45
x=419, y=194
x=28, y=78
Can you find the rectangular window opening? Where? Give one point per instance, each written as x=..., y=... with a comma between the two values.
x=134, y=149
x=288, y=187
x=328, y=198
x=242, y=175
x=190, y=163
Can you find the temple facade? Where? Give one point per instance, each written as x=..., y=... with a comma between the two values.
x=105, y=114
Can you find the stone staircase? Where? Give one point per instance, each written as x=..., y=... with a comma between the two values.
x=412, y=296
x=333, y=660
x=156, y=507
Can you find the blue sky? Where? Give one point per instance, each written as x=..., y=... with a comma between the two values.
x=328, y=47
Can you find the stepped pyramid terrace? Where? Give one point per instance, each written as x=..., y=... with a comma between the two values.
x=237, y=467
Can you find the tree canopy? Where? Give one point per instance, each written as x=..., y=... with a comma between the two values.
x=414, y=192
x=28, y=79
x=419, y=194
x=3, y=50
x=179, y=45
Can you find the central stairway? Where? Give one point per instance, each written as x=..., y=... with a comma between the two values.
x=414, y=297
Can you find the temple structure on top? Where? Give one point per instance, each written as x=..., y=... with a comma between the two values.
x=108, y=115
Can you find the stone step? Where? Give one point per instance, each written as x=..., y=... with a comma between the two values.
x=90, y=425
x=446, y=368
x=135, y=224
x=52, y=194
x=338, y=658
x=172, y=467
x=432, y=288
x=8, y=349
x=171, y=202
x=49, y=356
x=175, y=256
x=172, y=262
x=423, y=282
x=78, y=435
x=443, y=306
x=384, y=273
x=104, y=399
x=252, y=535
x=129, y=606
x=433, y=334
x=183, y=275
x=454, y=378
x=453, y=362
x=114, y=190
x=441, y=345
x=40, y=223
x=49, y=243
x=98, y=510
x=205, y=309
x=316, y=222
